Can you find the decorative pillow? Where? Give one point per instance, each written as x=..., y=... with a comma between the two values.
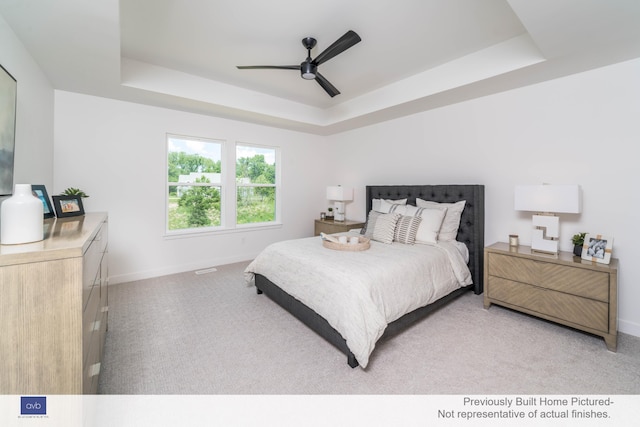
x=376, y=204
x=406, y=229
x=370, y=225
x=431, y=224
x=385, y=227
x=451, y=222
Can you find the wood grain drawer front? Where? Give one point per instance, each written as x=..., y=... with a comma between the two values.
x=513, y=268
x=577, y=281
x=580, y=311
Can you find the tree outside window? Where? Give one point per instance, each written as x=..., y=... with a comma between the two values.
x=255, y=184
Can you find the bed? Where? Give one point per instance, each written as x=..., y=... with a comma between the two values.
x=315, y=292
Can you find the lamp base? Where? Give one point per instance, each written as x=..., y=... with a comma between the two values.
x=339, y=215
x=544, y=238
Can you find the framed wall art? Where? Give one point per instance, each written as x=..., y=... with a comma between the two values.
x=68, y=206
x=8, y=99
x=597, y=248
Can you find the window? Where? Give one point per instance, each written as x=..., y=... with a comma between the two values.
x=194, y=183
x=255, y=184
x=218, y=185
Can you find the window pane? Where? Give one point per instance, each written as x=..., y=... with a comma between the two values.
x=190, y=159
x=193, y=207
x=256, y=204
x=255, y=165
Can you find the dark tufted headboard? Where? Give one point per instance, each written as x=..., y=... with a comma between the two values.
x=471, y=230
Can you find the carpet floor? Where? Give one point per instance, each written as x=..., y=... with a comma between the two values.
x=212, y=334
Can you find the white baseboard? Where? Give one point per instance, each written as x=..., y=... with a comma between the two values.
x=132, y=277
x=629, y=328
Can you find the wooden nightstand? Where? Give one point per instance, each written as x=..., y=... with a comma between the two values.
x=563, y=289
x=330, y=227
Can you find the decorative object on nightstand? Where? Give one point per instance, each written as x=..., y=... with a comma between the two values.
x=597, y=248
x=547, y=200
x=339, y=195
x=562, y=288
x=578, y=241
x=329, y=216
x=22, y=217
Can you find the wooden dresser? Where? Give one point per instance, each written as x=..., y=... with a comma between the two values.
x=54, y=307
x=563, y=289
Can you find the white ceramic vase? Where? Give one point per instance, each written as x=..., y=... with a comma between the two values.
x=21, y=217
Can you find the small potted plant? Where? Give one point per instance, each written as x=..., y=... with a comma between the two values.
x=578, y=241
x=330, y=214
x=74, y=192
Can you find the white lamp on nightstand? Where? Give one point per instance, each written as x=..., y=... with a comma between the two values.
x=339, y=195
x=547, y=200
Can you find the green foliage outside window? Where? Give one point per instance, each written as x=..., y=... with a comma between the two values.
x=195, y=206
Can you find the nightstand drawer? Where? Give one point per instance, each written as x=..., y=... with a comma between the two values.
x=570, y=308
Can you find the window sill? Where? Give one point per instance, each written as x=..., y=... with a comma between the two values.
x=186, y=234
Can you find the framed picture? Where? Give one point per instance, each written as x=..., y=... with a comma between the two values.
x=597, y=248
x=41, y=193
x=68, y=206
x=8, y=99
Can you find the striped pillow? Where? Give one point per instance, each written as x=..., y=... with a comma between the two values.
x=370, y=225
x=406, y=229
x=385, y=227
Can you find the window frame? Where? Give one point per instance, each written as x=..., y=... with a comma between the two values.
x=228, y=188
x=276, y=186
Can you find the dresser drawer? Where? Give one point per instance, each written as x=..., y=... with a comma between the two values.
x=576, y=281
x=513, y=268
x=558, y=277
x=570, y=308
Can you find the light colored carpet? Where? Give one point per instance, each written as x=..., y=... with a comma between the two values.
x=211, y=334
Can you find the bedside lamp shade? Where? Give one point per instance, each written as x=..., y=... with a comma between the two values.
x=547, y=200
x=339, y=195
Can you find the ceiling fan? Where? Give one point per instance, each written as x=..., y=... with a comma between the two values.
x=309, y=68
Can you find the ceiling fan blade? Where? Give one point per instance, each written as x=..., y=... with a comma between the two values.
x=276, y=67
x=349, y=39
x=328, y=87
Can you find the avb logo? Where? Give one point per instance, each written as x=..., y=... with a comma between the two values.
x=33, y=405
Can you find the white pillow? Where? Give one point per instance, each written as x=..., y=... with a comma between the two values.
x=430, y=225
x=451, y=223
x=376, y=204
x=385, y=227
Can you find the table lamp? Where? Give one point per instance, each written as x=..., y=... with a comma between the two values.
x=547, y=200
x=339, y=195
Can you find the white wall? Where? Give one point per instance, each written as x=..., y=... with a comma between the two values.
x=116, y=152
x=582, y=129
x=34, y=114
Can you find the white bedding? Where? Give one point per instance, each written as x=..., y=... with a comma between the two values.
x=359, y=293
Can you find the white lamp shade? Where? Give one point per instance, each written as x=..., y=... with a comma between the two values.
x=548, y=198
x=339, y=193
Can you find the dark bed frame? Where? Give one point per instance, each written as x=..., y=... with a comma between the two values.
x=471, y=233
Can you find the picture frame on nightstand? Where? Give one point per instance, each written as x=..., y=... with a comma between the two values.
x=597, y=248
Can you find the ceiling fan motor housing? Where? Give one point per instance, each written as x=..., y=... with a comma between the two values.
x=308, y=70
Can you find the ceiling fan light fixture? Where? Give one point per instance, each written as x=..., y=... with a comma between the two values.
x=308, y=70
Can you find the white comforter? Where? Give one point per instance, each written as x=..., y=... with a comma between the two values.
x=359, y=293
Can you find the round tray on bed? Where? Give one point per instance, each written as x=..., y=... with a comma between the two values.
x=362, y=245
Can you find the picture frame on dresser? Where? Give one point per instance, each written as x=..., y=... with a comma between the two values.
x=68, y=206
x=40, y=191
x=597, y=248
